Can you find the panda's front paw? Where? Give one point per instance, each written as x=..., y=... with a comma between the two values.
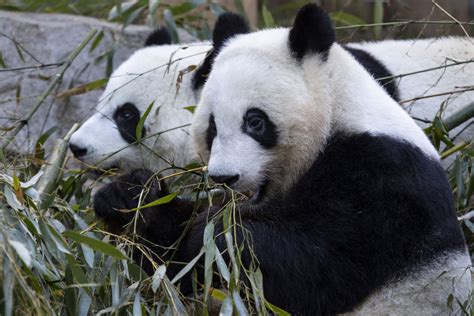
x=114, y=202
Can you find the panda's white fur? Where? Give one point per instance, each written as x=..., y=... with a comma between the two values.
x=264, y=55
x=149, y=75
x=308, y=103
x=403, y=57
x=144, y=78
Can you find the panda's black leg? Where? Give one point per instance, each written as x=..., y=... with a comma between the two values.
x=113, y=203
x=156, y=227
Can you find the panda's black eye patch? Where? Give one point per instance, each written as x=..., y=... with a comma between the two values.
x=257, y=125
x=211, y=132
x=127, y=117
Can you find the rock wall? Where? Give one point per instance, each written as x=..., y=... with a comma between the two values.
x=29, y=39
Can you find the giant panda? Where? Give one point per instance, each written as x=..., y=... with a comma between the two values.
x=160, y=73
x=350, y=209
x=108, y=140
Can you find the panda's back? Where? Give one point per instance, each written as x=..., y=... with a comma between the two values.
x=379, y=213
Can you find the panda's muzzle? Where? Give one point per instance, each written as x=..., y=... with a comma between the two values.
x=77, y=150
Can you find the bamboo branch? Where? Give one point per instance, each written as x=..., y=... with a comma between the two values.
x=50, y=88
x=53, y=167
x=453, y=149
x=459, y=117
x=426, y=70
x=437, y=95
x=400, y=23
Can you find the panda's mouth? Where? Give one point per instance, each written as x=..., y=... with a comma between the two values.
x=99, y=172
x=258, y=196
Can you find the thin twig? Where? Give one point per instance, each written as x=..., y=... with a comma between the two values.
x=451, y=17
x=50, y=88
x=18, y=45
x=400, y=23
x=40, y=66
x=426, y=70
x=437, y=95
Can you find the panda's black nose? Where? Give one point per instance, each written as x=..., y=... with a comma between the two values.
x=77, y=151
x=226, y=179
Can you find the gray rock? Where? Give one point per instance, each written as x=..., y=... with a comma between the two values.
x=29, y=39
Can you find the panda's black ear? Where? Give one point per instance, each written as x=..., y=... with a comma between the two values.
x=160, y=36
x=312, y=32
x=228, y=24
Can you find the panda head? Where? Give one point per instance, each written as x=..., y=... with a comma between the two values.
x=108, y=138
x=274, y=97
x=258, y=125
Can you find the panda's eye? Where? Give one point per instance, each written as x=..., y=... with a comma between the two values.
x=212, y=126
x=211, y=132
x=258, y=125
x=126, y=115
x=127, y=118
x=255, y=122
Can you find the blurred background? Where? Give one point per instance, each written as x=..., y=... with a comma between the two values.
x=198, y=15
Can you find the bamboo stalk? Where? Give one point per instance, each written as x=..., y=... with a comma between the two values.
x=50, y=88
x=54, y=165
x=459, y=117
x=453, y=149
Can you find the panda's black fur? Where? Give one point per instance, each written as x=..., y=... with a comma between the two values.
x=229, y=24
x=377, y=70
x=369, y=210
x=160, y=36
x=341, y=205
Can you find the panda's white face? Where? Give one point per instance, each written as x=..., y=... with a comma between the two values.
x=252, y=122
x=107, y=139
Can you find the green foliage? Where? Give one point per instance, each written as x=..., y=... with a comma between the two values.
x=195, y=16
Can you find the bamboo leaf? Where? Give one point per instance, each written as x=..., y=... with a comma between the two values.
x=141, y=122
x=221, y=265
x=96, y=41
x=158, y=277
x=226, y=307
x=137, y=309
x=7, y=286
x=267, y=17
x=190, y=108
x=209, y=249
x=95, y=244
x=2, y=61
x=93, y=85
x=166, y=199
x=277, y=310
x=187, y=267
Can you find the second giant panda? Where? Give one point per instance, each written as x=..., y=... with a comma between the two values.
x=351, y=211
x=160, y=74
